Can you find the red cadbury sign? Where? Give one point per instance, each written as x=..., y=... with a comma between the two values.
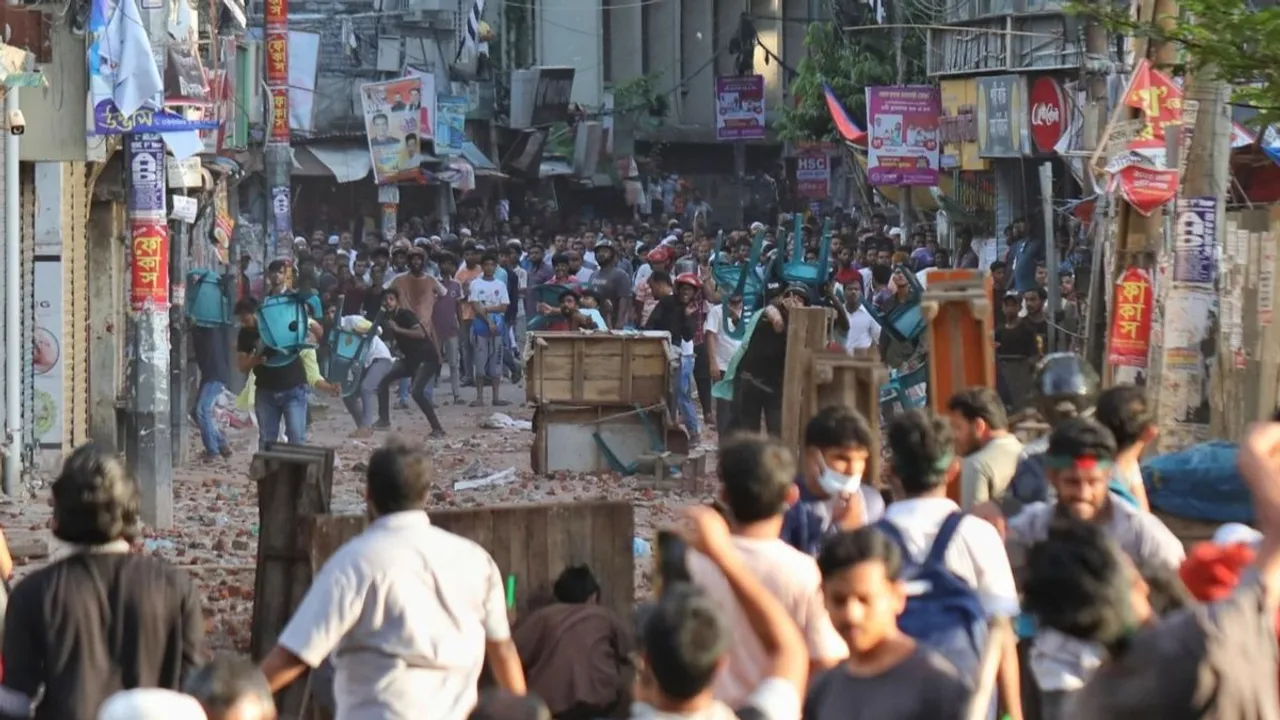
x=1048, y=109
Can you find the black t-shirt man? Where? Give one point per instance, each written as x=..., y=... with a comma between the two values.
x=272, y=379
x=414, y=350
x=1018, y=340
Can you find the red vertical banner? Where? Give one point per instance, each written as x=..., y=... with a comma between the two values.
x=276, y=57
x=1130, y=336
x=279, y=116
x=150, y=265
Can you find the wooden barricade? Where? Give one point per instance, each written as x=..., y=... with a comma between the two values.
x=601, y=399
x=816, y=377
x=295, y=483
x=957, y=304
x=535, y=543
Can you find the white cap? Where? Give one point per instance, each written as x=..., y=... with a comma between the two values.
x=434, y=239
x=895, y=231
x=419, y=241
x=757, y=226
x=151, y=704
x=334, y=240
x=464, y=232
x=1236, y=534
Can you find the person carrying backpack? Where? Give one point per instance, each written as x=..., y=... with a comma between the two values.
x=954, y=565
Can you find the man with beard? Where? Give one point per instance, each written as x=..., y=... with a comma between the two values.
x=614, y=286
x=990, y=451
x=419, y=361
x=1080, y=462
x=417, y=288
x=854, y=322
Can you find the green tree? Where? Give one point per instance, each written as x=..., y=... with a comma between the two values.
x=1240, y=39
x=849, y=61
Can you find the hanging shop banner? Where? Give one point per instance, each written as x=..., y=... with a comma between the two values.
x=150, y=246
x=276, y=15
x=394, y=127
x=1002, y=107
x=108, y=120
x=904, y=147
x=451, y=124
x=1159, y=99
x=1048, y=113
x=46, y=352
x=146, y=174
x=1195, y=248
x=813, y=174
x=1130, y=336
x=279, y=116
x=740, y=107
x=1146, y=188
x=277, y=59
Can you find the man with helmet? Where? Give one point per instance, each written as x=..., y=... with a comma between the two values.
x=1064, y=387
x=613, y=284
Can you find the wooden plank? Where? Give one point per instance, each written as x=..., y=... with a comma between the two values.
x=806, y=334
x=555, y=536
x=579, y=372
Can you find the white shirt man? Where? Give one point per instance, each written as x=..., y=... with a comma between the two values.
x=864, y=331
x=406, y=611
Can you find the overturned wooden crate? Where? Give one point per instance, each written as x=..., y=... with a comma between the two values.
x=600, y=399
x=533, y=543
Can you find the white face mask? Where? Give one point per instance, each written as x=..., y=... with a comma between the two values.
x=833, y=483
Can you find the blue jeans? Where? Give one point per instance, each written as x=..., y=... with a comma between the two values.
x=210, y=435
x=684, y=396
x=273, y=406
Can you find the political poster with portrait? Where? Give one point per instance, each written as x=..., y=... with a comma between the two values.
x=393, y=121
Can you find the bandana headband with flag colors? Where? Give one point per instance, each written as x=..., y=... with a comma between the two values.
x=1084, y=462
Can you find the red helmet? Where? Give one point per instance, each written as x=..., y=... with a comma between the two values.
x=689, y=279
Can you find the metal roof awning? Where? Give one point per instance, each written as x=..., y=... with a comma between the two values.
x=343, y=160
x=483, y=166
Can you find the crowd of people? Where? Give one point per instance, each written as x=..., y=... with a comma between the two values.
x=801, y=592
x=979, y=577
x=437, y=301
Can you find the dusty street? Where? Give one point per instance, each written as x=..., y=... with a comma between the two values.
x=215, y=534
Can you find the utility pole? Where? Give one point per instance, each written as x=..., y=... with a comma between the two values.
x=1097, y=66
x=1208, y=174
x=12, y=301
x=149, y=454
x=1138, y=237
x=904, y=191
x=276, y=158
x=179, y=397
